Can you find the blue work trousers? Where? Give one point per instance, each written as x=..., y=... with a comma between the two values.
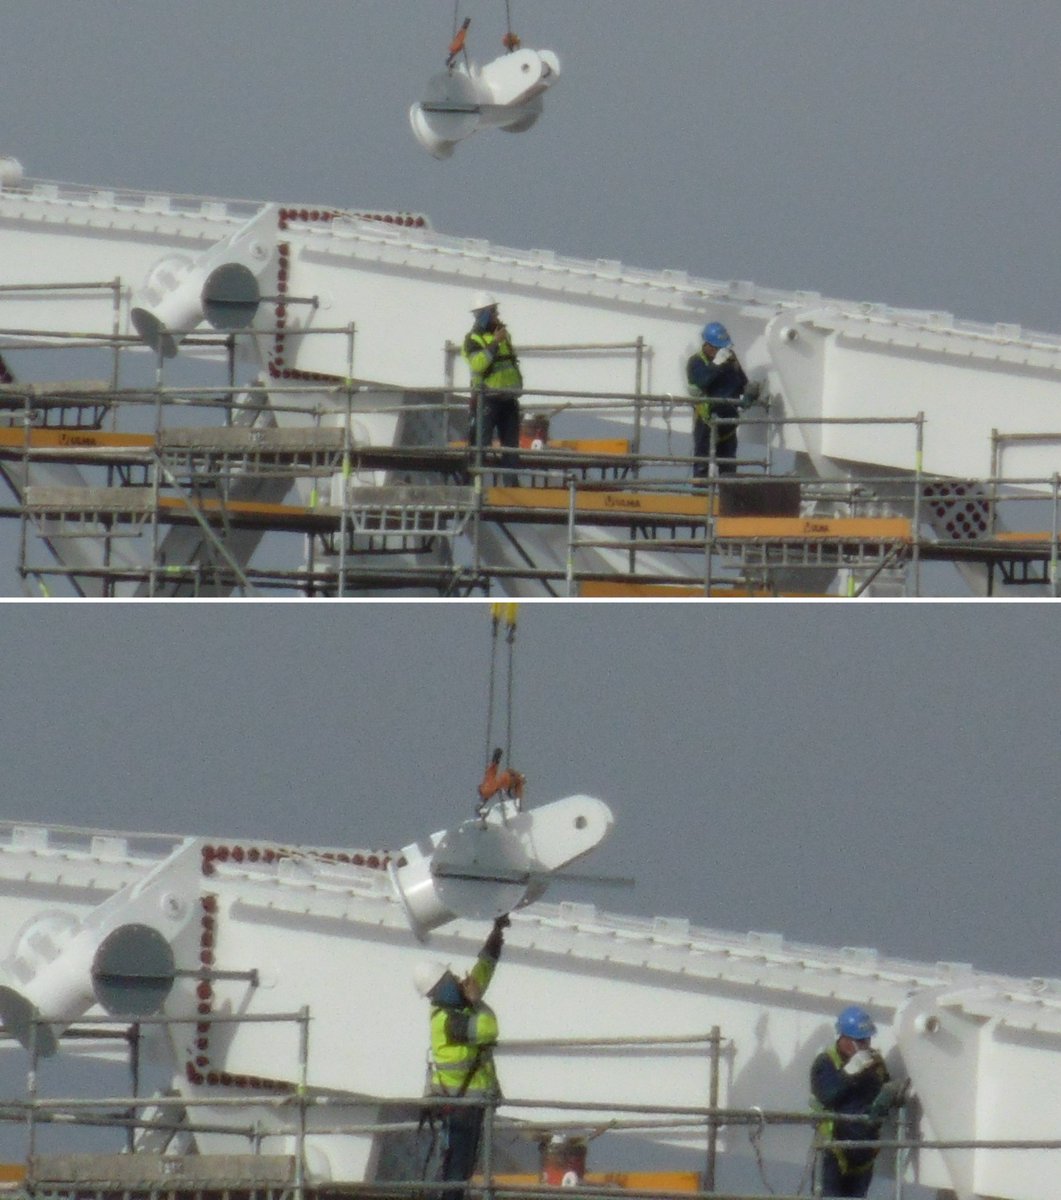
x=836, y=1182
x=500, y=416
x=725, y=447
x=461, y=1132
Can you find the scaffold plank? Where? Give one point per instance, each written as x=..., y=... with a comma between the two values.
x=607, y=506
x=605, y=457
x=608, y=446
x=235, y=439
x=803, y=529
x=389, y=505
x=1016, y=537
x=250, y=513
x=72, y=392
x=118, y=501
x=72, y=440
x=608, y=590
x=423, y=496
x=172, y=1173
x=647, y=1181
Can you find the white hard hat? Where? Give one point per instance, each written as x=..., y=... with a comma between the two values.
x=483, y=300
x=427, y=974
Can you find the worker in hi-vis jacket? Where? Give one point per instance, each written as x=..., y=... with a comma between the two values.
x=461, y=1066
x=715, y=376
x=496, y=380
x=851, y=1078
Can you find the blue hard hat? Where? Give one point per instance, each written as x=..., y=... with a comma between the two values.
x=855, y=1022
x=717, y=335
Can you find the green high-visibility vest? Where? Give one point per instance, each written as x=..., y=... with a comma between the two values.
x=492, y=363
x=704, y=410
x=827, y=1128
x=462, y=1043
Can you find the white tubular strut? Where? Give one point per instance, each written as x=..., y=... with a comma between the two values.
x=483, y=868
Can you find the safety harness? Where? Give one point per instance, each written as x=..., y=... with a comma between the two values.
x=428, y=1112
x=827, y=1130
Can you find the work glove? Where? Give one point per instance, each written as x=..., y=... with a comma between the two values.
x=892, y=1095
x=752, y=394
x=721, y=358
x=496, y=939
x=860, y=1061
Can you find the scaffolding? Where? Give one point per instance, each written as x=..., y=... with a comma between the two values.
x=158, y=1170
x=282, y=493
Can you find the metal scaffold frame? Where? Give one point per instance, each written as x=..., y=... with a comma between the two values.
x=624, y=519
x=135, y=1173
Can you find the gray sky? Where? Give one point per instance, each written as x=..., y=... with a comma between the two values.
x=875, y=776
x=848, y=775
x=901, y=151
x=865, y=775
x=898, y=151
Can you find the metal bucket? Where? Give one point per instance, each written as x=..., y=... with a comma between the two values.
x=563, y=1162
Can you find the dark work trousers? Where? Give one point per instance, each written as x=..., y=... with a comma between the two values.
x=836, y=1183
x=500, y=416
x=725, y=447
x=461, y=1130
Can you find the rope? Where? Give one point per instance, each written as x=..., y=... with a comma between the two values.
x=460, y=33
x=806, y=1180
x=499, y=613
x=755, y=1137
x=668, y=411
x=511, y=40
x=511, y=639
x=490, y=691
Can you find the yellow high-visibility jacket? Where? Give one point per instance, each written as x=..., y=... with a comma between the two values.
x=492, y=363
x=462, y=1042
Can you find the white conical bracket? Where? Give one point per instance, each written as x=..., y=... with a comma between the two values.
x=503, y=94
x=484, y=868
x=220, y=285
x=49, y=980
x=941, y=1046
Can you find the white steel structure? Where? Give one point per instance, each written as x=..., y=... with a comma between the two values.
x=595, y=1007
x=319, y=307
x=503, y=94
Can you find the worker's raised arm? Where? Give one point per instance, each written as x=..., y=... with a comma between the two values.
x=484, y=968
x=829, y=1083
x=495, y=940
x=832, y=1084
x=724, y=374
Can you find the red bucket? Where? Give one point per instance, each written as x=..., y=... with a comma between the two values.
x=534, y=432
x=563, y=1162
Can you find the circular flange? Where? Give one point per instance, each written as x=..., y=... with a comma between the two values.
x=480, y=871
x=133, y=971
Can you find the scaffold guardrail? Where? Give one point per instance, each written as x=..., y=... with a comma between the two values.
x=394, y=517
x=153, y=1175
